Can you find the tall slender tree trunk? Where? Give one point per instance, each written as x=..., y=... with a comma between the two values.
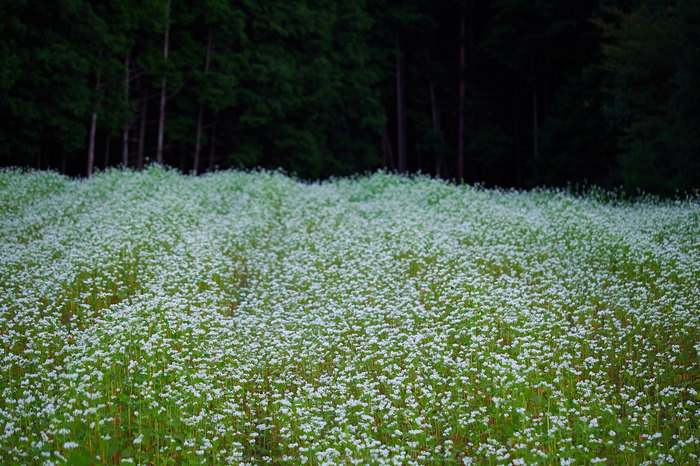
x=91, y=144
x=401, y=104
x=387, y=152
x=93, y=131
x=161, y=118
x=471, y=163
x=212, y=144
x=535, y=148
x=437, y=130
x=127, y=124
x=142, y=132
x=106, y=161
x=198, y=141
x=462, y=91
x=518, y=155
x=545, y=90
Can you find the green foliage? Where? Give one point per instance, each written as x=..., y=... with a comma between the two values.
x=305, y=99
x=578, y=144
x=651, y=52
x=44, y=78
x=311, y=86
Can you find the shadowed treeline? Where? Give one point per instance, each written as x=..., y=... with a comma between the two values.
x=514, y=93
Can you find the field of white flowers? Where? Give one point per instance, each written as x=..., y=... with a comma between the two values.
x=155, y=318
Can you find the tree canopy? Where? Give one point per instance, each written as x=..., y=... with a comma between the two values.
x=514, y=93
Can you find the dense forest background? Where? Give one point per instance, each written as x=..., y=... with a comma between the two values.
x=513, y=93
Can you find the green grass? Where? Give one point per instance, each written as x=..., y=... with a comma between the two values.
x=247, y=318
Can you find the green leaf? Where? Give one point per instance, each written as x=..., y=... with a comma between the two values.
x=667, y=433
x=80, y=458
x=113, y=448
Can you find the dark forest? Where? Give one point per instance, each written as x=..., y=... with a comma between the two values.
x=509, y=93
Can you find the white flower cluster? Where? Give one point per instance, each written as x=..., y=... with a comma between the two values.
x=246, y=318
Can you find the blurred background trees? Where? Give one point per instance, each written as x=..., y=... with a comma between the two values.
x=514, y=93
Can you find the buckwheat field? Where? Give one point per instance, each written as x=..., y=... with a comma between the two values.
x=247, y=318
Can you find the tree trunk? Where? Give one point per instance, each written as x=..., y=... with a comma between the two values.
x=518, y=156
x=535, y=148
x=545, y=91
x=142, y=132
x=462, y=85
x=198, y=141
x=161, y=118
x=387, y=152
x=440, y=166
x=125, y=129
x=212, y=143
x=91, y=144
x=93, y=131
x=419, y=161
x=471, y=163
x=106, y=164
x=401, y=104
